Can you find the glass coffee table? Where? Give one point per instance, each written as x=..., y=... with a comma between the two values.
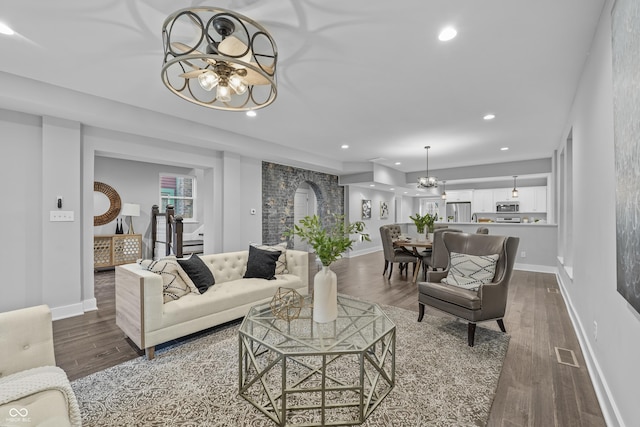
x=300, y=372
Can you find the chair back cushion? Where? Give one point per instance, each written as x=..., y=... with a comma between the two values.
x=485, y=244
x=439, y=253
x=387, y=243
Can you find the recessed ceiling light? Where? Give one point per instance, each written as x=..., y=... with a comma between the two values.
x=251, y=113
x=372, y=185
x=405, y=192
x=504, y=148
x=344, y=146
x=489, y=117
x=391, y=189
x=5, y=29
x=397, y=163
x=447, y=34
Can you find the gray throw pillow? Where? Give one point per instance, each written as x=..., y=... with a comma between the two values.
x=261, y=263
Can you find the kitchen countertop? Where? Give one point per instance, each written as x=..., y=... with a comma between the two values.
x=500, y=224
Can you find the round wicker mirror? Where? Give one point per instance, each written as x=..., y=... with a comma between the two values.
x=114, y=204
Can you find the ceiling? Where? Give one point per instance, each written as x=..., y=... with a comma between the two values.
x=370, y=74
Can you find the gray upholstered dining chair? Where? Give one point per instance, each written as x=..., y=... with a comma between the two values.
x=489, y=301
x=482, y=230
x=393, y=255
x=438, y=257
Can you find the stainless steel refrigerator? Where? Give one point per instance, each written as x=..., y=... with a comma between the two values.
x=459, y=211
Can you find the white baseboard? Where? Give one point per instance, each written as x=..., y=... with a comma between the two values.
x=608, y=405
x=90, y=304
x=353, y=254
x=536, y=268
x=65, y=311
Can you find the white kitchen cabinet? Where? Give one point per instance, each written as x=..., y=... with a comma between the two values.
x=539, y=199
x=482, y=201
x=532, y=199
x=459, y=196
x=504, y=195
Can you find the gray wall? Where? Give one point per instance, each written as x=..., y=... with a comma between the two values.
x=589, y=287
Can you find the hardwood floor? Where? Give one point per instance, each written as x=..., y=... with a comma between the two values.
x=534, y=389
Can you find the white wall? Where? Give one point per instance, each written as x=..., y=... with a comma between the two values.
x=591, y=294
x=52, y=262
x=138, y=182
x=353, y=211
x=21, y=173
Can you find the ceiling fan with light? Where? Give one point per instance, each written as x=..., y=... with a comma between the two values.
x=207, y=48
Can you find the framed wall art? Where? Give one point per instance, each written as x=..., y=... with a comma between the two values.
x=626, y=98
x=384, y=209
x=366, y=209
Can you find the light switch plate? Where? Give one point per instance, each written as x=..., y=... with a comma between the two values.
x=60, y=216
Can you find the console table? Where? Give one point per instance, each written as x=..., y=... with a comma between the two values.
x=115, y=249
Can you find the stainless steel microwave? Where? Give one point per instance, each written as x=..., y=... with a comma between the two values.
x=507, y=207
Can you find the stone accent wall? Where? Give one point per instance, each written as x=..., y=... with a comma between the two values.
x=279, y=185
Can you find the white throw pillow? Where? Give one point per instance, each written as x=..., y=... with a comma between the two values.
x=174, y=284
x=281, y=263
x=471, y=271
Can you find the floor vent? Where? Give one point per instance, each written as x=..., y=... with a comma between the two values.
x=553, y=290
x=566, y=357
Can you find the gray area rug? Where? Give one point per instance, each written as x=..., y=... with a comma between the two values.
x=440, y=381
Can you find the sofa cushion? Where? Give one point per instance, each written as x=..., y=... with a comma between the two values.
x=174, y=285
x=198, y=272
x=281, y=262
x=471, y=271
x=261, y=263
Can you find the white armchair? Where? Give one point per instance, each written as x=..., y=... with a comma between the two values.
x=33, y=390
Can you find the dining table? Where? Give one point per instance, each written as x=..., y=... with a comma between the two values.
x=415, y=245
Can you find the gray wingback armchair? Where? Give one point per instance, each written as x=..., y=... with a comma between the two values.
x=489, y=302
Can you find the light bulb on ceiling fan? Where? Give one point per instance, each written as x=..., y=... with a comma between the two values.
x=223, y=93
x=208, y=80
x=237, y=84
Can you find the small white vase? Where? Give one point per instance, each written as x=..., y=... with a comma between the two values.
x=325, y=296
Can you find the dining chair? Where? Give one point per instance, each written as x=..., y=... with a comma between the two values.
x=481, y=294
x=482, y=230
x=393, y=255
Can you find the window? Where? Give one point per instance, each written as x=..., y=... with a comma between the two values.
x=179, y=191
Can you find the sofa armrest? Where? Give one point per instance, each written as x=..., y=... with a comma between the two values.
x=298, y=264
x=26, y=339
x=139, y=302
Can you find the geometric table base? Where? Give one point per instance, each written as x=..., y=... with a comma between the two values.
x=296, y=381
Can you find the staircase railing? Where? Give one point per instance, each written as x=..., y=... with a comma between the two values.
x=173, y=231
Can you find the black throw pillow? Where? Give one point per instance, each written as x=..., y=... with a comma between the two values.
x=198, y=272
x=261, y=264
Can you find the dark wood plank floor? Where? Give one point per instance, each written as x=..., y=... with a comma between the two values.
x=534, y=389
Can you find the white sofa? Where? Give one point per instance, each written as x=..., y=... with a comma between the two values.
x=147, y=321
x=33, y=390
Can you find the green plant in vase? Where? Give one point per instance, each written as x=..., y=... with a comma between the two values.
x=329, y=244
x=423, y=221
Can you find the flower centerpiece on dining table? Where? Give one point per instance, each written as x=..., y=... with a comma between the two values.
x=427, y=220
x=329, y=242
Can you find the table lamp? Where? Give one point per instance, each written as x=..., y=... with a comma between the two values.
x=130, y=210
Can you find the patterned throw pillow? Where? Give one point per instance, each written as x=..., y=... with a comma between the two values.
x=471, y=271
x=174, y=284
x=281, y=263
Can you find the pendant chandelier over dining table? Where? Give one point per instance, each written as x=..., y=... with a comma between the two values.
x=427, y=181
x=207, y=48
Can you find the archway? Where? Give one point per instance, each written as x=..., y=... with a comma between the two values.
x=305, y=202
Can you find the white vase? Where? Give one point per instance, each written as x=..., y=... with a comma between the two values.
x=325, y=296
x=430, y=237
